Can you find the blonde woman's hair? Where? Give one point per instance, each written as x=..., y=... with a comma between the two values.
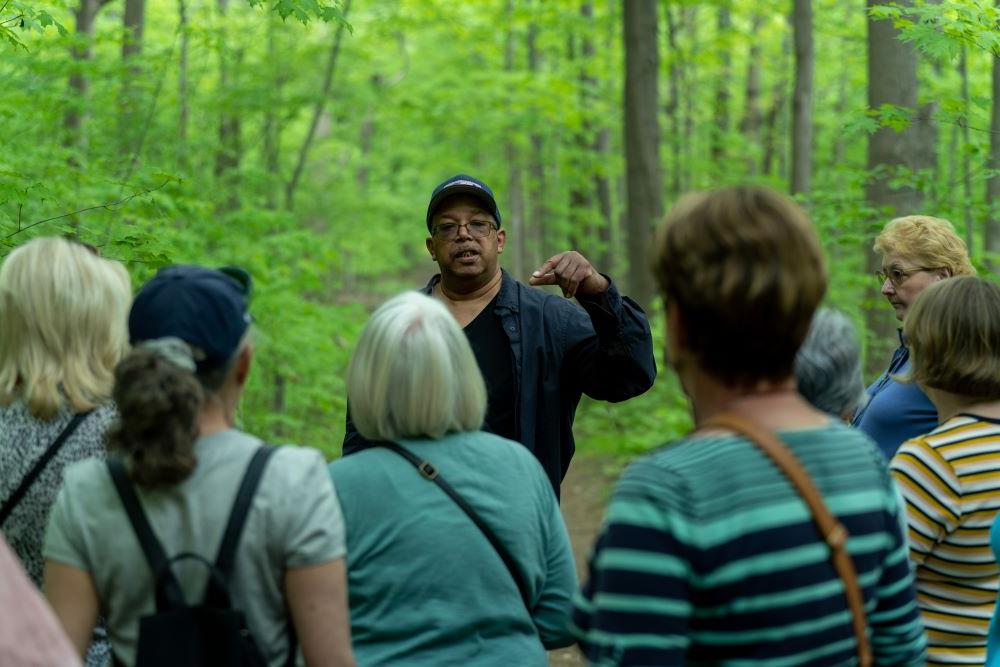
x=413, y=373
x=928, y=242
x=744, y=268
x=953, y=329
x=63, y=326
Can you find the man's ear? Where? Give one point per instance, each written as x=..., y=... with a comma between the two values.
x=501, y=239
x=430, y=247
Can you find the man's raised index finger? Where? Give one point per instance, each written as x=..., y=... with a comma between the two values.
x=547, y=266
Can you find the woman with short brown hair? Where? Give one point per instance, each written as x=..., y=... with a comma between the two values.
x=950, y=477
x=708, y=554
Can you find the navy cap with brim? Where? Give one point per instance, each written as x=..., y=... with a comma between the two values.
x=205, y=308
x=462, y=184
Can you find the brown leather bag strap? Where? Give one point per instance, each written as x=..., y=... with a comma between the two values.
x=831, y=530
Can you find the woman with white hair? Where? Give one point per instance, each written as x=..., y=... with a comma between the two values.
x=828, y=365
x=432, y=582
x=62, y=330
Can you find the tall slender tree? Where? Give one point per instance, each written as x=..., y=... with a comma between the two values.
x=802, y=105
x=991, y=233
x=642, y=140
x=892, y=80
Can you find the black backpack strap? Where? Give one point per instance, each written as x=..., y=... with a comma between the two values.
x=36, y=470
x=225, y=561
x=151, y=546
x=429, y=472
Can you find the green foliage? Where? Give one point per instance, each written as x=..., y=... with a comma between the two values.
x=521, y=92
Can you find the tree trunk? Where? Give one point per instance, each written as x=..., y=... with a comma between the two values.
x=892, y=79
x=272, y=121
x=691, y=24
x=673, y=101
x=802, y=153
x=584, y=227
x=76, y=111
x=331, y=65
x=991, y=235
x=227, y=156
x=182, y=84
x=515, y=186
x=642, y=141
x=133, y=24
x=752, y=117
x=963, y=71
x=773, y=149
x=721, y=109
x=537, y=192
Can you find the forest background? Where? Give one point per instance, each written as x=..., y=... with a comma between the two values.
x=300, y=139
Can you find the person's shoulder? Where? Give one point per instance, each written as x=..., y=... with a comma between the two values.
x=85, y=477
x=955, y=431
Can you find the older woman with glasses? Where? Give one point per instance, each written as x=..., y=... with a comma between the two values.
x=917, y=251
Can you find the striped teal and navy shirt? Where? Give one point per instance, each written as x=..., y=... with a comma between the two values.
x=709, y=557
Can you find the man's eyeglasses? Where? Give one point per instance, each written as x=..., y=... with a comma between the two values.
x=448, y=231
x=898, y=276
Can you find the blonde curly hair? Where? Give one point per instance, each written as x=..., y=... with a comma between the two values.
x=927, y=241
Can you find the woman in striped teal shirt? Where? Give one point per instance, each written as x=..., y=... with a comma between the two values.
x=708, y=555
x=951, y=476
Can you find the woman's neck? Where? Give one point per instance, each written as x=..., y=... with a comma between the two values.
x=948, y=405
x=771, y=404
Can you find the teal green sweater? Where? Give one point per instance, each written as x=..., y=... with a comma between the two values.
x=426, y=587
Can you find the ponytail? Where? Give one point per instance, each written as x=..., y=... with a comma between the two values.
x=159, y=400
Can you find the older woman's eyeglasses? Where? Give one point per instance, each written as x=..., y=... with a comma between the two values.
x=448, y=231
x=898, y=276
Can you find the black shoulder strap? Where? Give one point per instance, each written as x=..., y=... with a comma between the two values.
x=226, y=559
x=429, y=472
x=151, y=546
x=36, y=470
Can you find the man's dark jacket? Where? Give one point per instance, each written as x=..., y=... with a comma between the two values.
x=560, y=351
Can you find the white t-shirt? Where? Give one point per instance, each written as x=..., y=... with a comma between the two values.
x=294, y=521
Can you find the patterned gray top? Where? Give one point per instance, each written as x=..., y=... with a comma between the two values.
x=23, y=439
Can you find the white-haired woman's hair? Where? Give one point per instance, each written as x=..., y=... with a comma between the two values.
x=63, y=326
x=828, y=365
x=413, y=373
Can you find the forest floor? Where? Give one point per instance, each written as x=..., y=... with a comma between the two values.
x=585, y=493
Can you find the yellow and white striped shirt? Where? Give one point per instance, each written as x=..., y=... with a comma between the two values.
x=950, y=479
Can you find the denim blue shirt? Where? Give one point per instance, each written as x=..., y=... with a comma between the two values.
x=895, y=412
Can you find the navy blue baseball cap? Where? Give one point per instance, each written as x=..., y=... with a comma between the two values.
x=206, y=308
x=463, y=184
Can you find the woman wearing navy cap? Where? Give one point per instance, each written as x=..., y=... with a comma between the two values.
x=179, y=452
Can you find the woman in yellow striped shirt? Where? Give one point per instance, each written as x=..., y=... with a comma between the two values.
x=951, y=476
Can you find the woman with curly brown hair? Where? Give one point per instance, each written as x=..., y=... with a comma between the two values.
x=179, y=457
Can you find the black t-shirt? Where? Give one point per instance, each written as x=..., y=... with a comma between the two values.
x=491, y=347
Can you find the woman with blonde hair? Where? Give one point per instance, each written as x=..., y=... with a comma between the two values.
x=917, y=251
x=62, y=330
x=950, y=476
x=490, y=565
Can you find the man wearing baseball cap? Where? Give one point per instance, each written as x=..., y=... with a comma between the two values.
x=538, y=353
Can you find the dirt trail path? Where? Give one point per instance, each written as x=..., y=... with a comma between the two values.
x=584, y=495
